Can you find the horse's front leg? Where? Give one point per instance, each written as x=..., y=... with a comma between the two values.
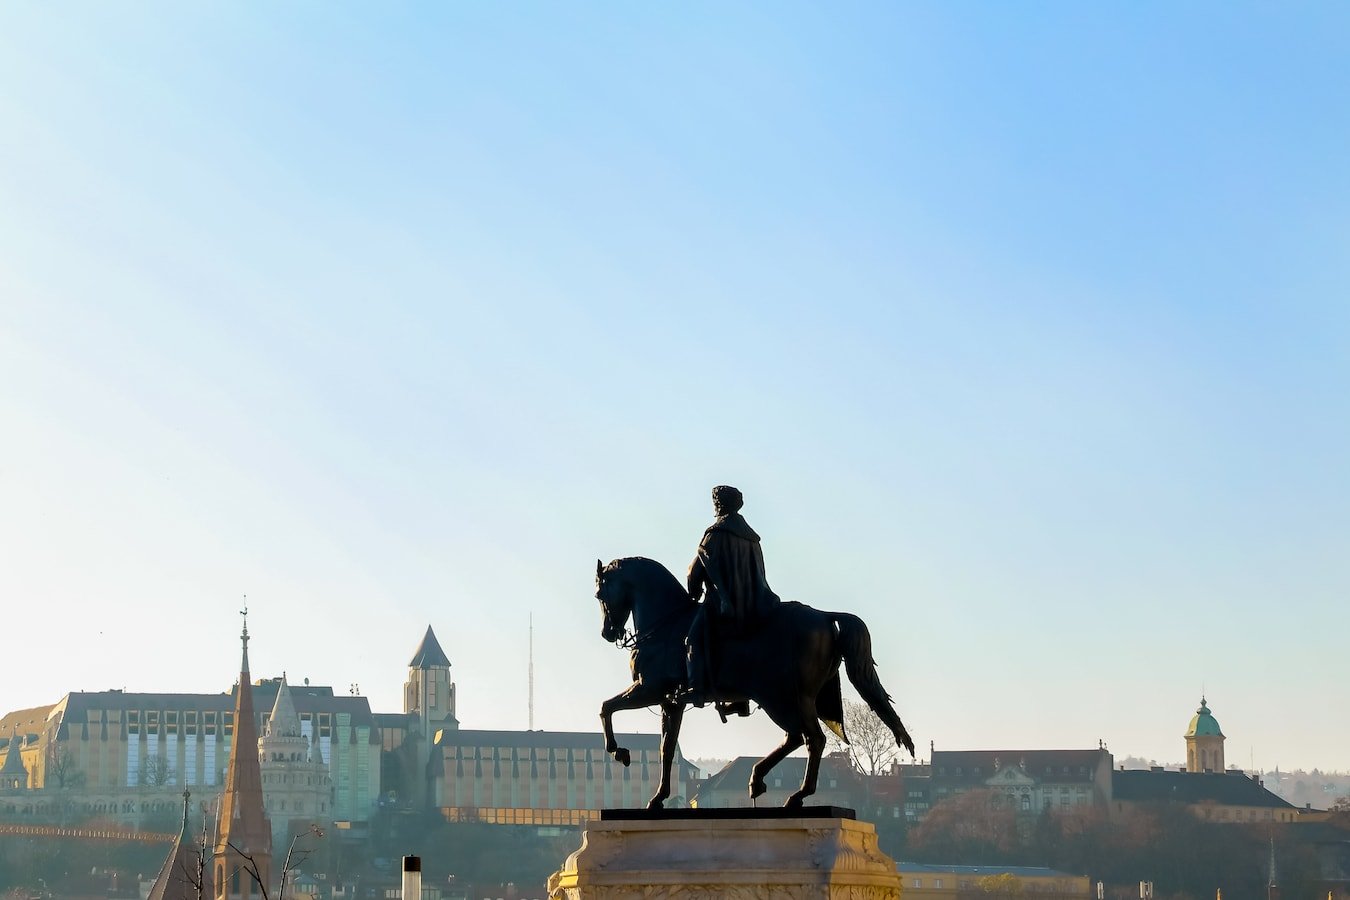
x=672, y=714
x=637, y=696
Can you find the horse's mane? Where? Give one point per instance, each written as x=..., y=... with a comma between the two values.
x=650, y=574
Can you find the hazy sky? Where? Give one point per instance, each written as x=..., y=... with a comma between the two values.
x=1023, y=328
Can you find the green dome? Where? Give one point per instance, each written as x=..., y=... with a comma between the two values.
x=1203, y=724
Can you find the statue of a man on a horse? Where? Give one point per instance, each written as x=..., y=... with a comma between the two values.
x=741, y=644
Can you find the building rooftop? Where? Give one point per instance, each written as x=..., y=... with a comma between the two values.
x=1232, y=788
x=978, y=766
x=429, y=653
x=571, y=740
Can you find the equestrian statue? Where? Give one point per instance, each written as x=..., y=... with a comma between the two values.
x=741, y=644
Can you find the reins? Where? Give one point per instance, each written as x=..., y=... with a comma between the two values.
x=631, y=640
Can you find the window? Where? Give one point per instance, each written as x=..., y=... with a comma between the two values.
x=190, y=721
x=133, y=721
x=152, y=722
x=171, y=722
x=228, y=719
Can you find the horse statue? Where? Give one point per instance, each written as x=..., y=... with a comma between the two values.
x=789, y=666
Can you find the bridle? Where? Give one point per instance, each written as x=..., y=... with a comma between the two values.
x=629, y=640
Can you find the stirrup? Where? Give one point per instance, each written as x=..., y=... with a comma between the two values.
x=695, y=697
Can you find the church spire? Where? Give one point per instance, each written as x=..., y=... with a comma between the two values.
x=243, y=666
x=244, y=836
x=183, y=873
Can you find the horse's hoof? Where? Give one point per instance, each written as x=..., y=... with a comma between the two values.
x=793, y=802
x=622, y=755
x=757, y=788
x=656, y=803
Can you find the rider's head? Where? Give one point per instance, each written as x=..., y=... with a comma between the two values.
x=726, y=499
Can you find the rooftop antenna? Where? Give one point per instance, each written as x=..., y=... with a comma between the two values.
x=531, y=672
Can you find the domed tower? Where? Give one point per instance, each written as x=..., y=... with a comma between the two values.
x=1204, y=742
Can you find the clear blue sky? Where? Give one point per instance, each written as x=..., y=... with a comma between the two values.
x=1023, y=328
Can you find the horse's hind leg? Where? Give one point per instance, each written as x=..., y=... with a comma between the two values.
x=815, y=748
x=671, y=716
x=791, y=741
x=786, y=717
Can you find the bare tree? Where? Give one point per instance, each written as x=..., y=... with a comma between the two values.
x=156, y=771
x=294, y=857
x=871, y=747
x=61, y=767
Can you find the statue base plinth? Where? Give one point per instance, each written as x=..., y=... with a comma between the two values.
x=812, y=854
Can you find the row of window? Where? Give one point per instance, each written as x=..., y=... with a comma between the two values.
x=191, y=720
x=511, y=816
x=975, y=770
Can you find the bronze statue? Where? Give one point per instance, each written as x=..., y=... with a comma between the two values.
x=784, y=656
x=730, y=566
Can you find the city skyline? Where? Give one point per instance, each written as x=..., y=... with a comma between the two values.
x=1022, y=330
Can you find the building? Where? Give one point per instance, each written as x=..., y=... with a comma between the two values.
x=916, y=790
x=1231, y=796
x=838, y=784
x=547, y=778
x=297, y=789
x=407, y=739
x=128, y=756
x=1204, y=742
x=935, y=882
x=1204, y=786
x=1028, y=781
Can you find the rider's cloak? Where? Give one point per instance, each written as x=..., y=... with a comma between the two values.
x=730, y=563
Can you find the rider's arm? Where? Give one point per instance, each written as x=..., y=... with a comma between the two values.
x=697, y=577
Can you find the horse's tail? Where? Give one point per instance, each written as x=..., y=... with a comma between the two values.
x=855, y=642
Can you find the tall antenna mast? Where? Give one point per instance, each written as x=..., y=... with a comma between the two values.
x=531, y=671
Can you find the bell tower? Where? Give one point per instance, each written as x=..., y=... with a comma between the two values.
x=1204, y=742
x=429, y=694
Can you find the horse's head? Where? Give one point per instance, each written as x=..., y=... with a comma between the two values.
x=615, y=604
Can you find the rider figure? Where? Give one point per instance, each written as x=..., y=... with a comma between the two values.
x=730, y=565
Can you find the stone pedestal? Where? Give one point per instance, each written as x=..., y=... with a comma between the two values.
x=817, y=853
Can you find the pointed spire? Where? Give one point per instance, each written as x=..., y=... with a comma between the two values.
x=315, y=752
x=177, y=877
x=429, y=654
x=243, y=667
x=243, y=824
x=13, y=758
x=284, y=721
